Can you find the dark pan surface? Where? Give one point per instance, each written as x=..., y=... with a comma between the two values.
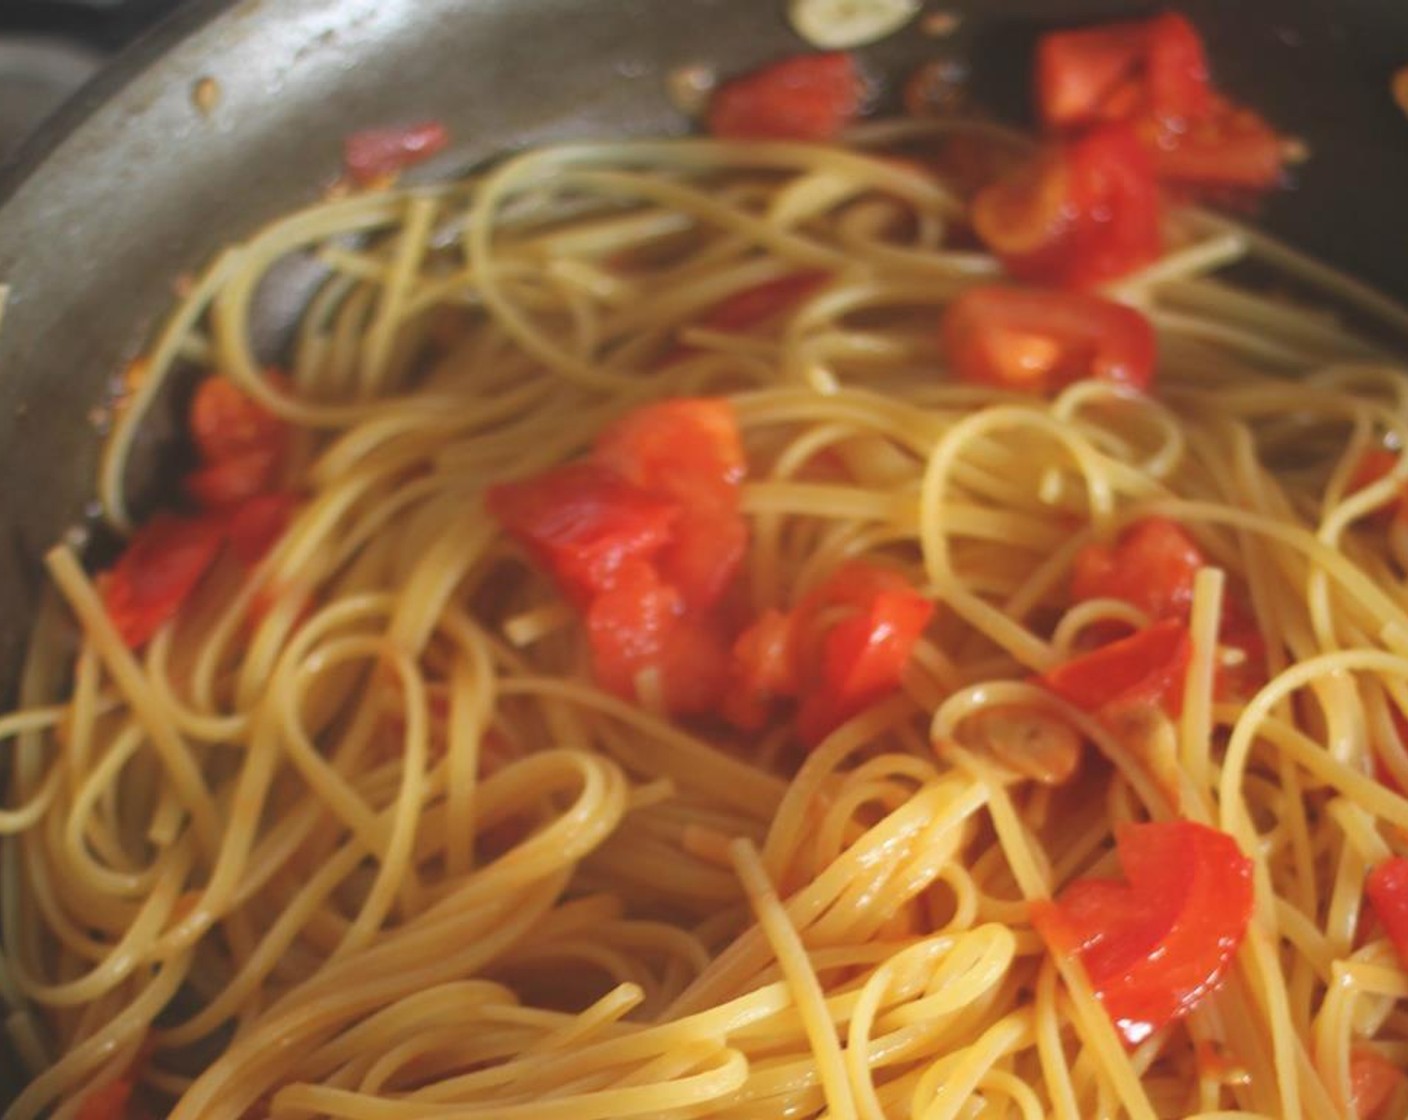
x=135, y=184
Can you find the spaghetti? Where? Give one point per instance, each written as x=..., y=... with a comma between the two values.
x=358, y=836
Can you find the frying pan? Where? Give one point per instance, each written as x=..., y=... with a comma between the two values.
x=137, y=182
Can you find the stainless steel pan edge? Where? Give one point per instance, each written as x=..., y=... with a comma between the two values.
x=138, y=183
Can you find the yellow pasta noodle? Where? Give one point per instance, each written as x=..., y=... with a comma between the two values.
x=357, y=835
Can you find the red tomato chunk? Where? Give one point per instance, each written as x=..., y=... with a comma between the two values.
x=1042, y=341
x=1153, y=75
x=1084, y=211
x=584, y=522
x=240, y=443
x=1152, y=566
x=1387, y=891
x=1373, y=1080
x=840, y=651
x=641, y=625
x=108, y=1102
x=846, y=665
x=808, y=97
x=645, y=537
x=256, y=525
x=157, y=572
x=376, y=153
x=1148, y=667
x=753, y=306
x=1155, y=945
x=688, y=451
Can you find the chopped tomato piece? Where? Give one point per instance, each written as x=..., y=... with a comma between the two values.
x=808, y=97
x=1153, y=75
x=1176, y=67
x=1373, y=1080
x=1041, y=341
x=1387, y=890
x=227, y=423
x=1374, y=464
x=229, y=481
x=640, y=624
x=1377, y=463
x=584, y=522
x=752, y=306
x=1229, y=147
x=1027, y=213
x=1243, y=677
x=1157, y=944
x=1382, y=772
x=1152, y=565
x=1148, y=667
x=1080, y=72
x=241, y=444
x=762, y=670
x=255, y=525
x=107, y=1102
x=1084, y=211
x=679, y=448
x=688, y=451
x=1112, y=72
x=375, y=153
x=854, y=636
x=157, y=572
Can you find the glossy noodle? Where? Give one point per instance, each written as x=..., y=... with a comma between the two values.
x=358, y=836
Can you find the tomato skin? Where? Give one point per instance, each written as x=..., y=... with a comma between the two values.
x=108, y=1102
x=1152, y=565
x=1375, y=464
x=157, y=572
x=1387, y=891
x=375, y=153
x=240, y=443
x=1176, y=71
x=230, y=481
x=847, y=665
x=1157, y=944
x=1232, y=147
x=762, y=670
x=688, y=451
x=255, y=525
x=806, y=97
x=583, y=522
x=1373, y=1080
x=1116, y=71
x=1153, y=75
x=1079, y=71
x=1147, y=667
x=640, y=623
x=752, y=306
x=226, y=422
x=1114, y=190
x=681, y=448
x=1041, y=340
x=861, y=661
x=1084, y=211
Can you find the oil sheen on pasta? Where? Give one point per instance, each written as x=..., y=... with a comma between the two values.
x=358, y=837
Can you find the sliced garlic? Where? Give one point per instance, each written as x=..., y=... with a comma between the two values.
x=841, y=24
x=1031, y=742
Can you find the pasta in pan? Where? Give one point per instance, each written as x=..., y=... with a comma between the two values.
x=359, y=833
